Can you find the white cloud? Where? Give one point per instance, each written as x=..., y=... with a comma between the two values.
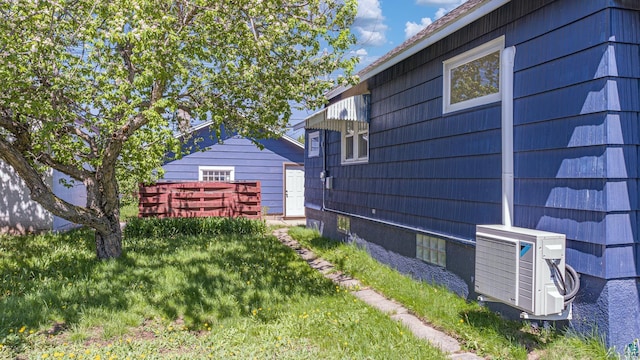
x=411, y=28
x=445, y=6
x=441, y=12
x=369, y=24
x=361, y=52
x=369, y=9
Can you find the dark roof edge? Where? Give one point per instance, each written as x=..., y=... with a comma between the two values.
x=454, y=20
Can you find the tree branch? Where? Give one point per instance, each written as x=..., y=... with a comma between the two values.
x=44, y=195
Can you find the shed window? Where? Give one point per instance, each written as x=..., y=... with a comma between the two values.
x=355, y=142
x=216, y=173
x=314, y=144
x=473, y=77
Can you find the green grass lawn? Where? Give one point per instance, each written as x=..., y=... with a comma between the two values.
x=183, y=297
x=476, y=327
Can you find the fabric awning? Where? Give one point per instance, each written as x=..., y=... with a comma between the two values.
x=355, y=108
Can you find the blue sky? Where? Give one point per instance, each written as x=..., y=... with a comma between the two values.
x=381, y=25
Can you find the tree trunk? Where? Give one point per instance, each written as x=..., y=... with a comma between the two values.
x=109, y=243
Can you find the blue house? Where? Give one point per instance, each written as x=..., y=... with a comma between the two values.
x=520, y=113
x=278, y=166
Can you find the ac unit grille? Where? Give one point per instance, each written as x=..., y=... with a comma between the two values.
x=495, y=269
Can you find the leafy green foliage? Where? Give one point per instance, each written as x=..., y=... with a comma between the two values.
x=209, y=226
x=98, y=89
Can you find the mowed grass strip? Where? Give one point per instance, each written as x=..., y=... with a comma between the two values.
x=173, y=296
x=476, y=327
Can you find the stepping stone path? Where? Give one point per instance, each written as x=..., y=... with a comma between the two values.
x=397, y=312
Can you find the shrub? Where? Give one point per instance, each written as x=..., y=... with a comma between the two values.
x=209, y=226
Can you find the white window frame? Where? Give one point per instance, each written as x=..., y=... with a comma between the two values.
x=355, y=137
x=464, y=58
x=314, y=136
x=230, y=169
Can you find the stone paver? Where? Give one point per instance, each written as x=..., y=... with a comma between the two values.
x=380, y=302
x=445, y=342
x=397, y=312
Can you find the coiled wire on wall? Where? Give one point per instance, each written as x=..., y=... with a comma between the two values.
x=568, y=285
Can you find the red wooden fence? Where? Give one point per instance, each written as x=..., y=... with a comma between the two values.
x=200, y=199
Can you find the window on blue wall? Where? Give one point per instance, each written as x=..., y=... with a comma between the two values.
x=216, y=173
x=355, y=142
x=431, y=249
x=344, y=224
x=473, y=77
x=314, y=144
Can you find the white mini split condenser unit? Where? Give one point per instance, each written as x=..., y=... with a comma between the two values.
x=516, y=266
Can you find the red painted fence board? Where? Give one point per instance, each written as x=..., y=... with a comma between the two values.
x=200, y=199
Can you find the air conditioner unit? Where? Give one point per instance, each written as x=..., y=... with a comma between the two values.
x=515, y=266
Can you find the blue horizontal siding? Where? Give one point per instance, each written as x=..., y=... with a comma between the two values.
x=472, y=144
x=625, y=25
x=419, y=112
x=555, y=15
x=578, y=131
x=578, y=163
x=418, y=76
x=601, y=261
x=423, y=92
x=249, y=162
x=487, y=118
x=467, y=167
x=597, y=62
x=477, y=190
x=598, y=95
x=562, y=41
x=580, y=194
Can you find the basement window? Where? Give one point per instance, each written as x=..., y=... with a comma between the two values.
x=344, y=224
x=431, y=249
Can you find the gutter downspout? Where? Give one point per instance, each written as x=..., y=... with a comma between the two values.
x=324, y=167
x=506, y=80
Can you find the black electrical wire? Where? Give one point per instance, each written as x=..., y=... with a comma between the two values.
x=568, y=286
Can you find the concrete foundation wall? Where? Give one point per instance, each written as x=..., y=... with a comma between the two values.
x=608, y=308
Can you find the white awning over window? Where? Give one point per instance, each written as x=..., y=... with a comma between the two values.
x=355, y=108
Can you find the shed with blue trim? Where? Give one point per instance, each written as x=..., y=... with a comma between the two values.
x=276, y=163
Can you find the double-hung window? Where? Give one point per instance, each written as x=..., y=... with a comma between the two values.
x=473, y=77
x=314, y=144
x=216, y=173
x=355, y=142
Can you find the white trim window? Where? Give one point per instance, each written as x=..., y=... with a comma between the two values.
x=473, y=77
x=355, y=142
x=314, y=144
x=216, y=173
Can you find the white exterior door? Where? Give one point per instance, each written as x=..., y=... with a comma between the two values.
x=294, y=191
